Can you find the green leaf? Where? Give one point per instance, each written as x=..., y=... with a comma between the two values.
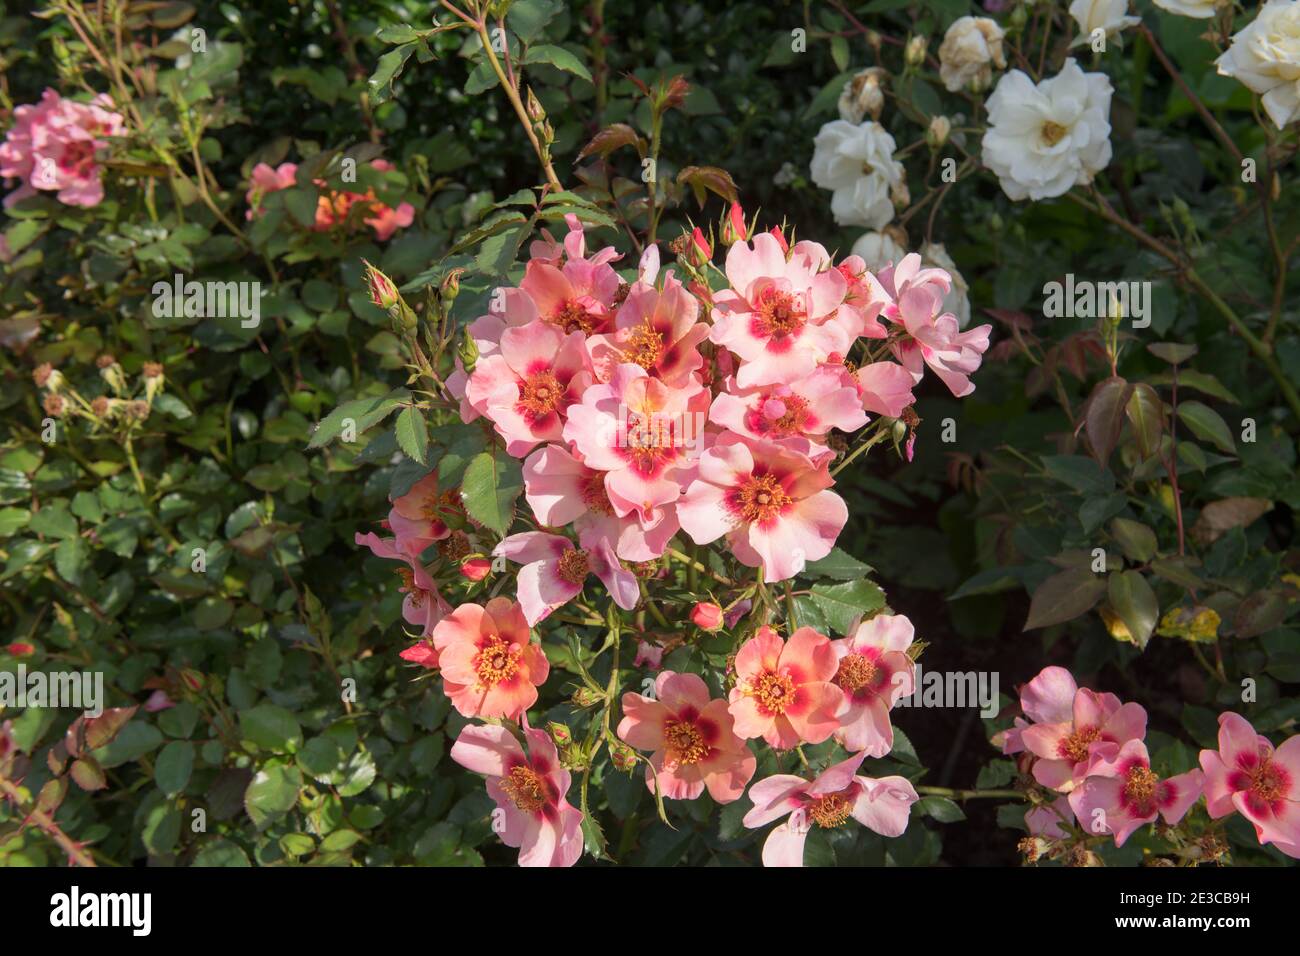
x=70, y=559
x=272, y=793
x=1207, y=425
x=1136, y=540
x=364, y=413
x=173, y=768
x=1105, y=419
x=413, y=434
x=388, y=69
x=1200, y=381
x=1131, y=597
x=492, y=483
x=1063, y=597
x=838, y=565
x=558, y=57
x=1174, y=353
x=842, y=604
x=270, y=727
x=1146, y=414
x=941, y=809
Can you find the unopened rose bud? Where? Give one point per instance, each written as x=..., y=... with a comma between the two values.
x=192, y=679
x=779, y=236
x=1019, y=17
x=475, y=569
x=105, y=360
x=914, y=53
x=560, y=733
x=467, y=351
x=734, y=227
x=54, y=405
x=383, y=292
x=137, y=410
x=622, y=756
x=153, y=379
x=450, y=287
x=707, y=616
x=586, y=697
x=101, y=406
x=536, y=112
x=701, y=251
x=874, y=40
x=937, y=134
x=20, y=649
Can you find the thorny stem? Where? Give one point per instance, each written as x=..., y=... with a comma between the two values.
x=512, y=93
x=78, y=855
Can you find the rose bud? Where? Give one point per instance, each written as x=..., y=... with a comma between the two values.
x=476, y=569
x=707, y=616
x=20, y=649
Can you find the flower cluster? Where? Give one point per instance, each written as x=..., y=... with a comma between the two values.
x=52, y=147
x=1090, y=748
x=803, y=690
x=334, y=206
x=653, y=406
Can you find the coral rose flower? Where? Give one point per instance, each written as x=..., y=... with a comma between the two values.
x=874, y=673
x=829, y=801
x=784, y=691
x=489, y=666
x=554, y=572
x=771, y=503
x=1261, y=783
x=691, y=736
x=529, y=790
x=1121, y=793
x=1074, y=725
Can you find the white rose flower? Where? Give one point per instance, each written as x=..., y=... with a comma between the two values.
x=970, y=49
x=957, y=301
x=1199, y=9
x=1265, y=56
x=1109, y=16
x=878, y=249
x=1044, y=139
x=857, y=164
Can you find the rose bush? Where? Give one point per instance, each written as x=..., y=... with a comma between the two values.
x=509, y=432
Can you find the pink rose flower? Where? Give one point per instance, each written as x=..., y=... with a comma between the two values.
x=417, y=517
x=51, y=147
x=874, y=672
x=829, y=801
x=423, y=607
x=691, y=736
x=1072, y=726
x=554, y=572
x=562, y=490
x=642, y=433
x=657, y=330
x=528, y=385
x=799, y=414
x=490, y=668
x=772, y=505
x=781, y=317
x=1261, y=783
x=784, y=691
x=529, y=790
x=1121, y=793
